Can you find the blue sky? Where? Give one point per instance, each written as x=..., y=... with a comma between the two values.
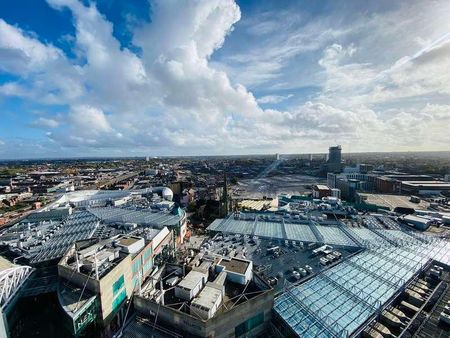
x=173, y=77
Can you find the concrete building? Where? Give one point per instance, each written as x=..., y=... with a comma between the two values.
x=386, y=185
x=209, y=300
x=418, y=222
x=191, y=284
x=96, y=277
x=387, y=201
x=320, y=190
x=239, y=271
x=424, y=187
x=351, y=182
x=223, y=308
x=336, y=193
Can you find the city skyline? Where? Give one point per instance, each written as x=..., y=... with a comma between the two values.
x=99, y=79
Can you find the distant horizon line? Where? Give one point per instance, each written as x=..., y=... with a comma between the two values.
x=194, y=156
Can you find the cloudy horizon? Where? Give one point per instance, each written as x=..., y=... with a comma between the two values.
x=219, y=77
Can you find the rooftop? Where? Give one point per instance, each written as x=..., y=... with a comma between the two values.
x=126, y=241
x=192, y=279
x=339, y=300
x=208, y=296
x=313, y=232
x=47, y=239
x=73, y=298
x=141, y=217
x=255, y=204
x=99, y=258
x=235, y=265
x=415, y=218
x=427, y=184
x=392, y=201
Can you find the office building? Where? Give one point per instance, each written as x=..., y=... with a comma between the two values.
x=334, y=162
x=96, y=277
x=320, y=191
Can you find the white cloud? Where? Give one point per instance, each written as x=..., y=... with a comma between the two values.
x=20, y=53
x=173, y=98
x=87, y=119
x=274, y=98
x=43, y=122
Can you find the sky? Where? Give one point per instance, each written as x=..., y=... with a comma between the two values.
x=222, y=77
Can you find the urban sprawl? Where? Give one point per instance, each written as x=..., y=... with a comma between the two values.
x=313, y=245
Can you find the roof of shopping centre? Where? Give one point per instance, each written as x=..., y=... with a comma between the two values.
x=339, y=300
x=313, y=232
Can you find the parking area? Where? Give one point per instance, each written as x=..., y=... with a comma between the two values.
x=282, y=263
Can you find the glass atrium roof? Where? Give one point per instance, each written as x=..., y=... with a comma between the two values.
x=315, y=233
x=339, y=300
x=145, y=217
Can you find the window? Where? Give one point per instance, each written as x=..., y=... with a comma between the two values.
x=136, y=265
x=148, y=266
x=147, y=253
x=119, y=299
x=118, y=284
x=249, y=324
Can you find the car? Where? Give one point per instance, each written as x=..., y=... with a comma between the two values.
x=324, y=261
x=308, y=268
x=296, y=275
x=302, y=272
x=331, y=257
x=337, y=254
x=272, y=280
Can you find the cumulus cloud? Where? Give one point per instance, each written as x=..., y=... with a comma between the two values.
x=89, y=119
x=274, y=98
x=21, y=53
x=173, y=96
x=43, y=122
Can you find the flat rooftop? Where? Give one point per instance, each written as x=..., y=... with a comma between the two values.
x=255, y=204
x=127, y=241
x=427, y=184
x=415, y=218
x=234, y=265
x=207, y=297
x=393, y=201
x=192, y=279
x=73, y=298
